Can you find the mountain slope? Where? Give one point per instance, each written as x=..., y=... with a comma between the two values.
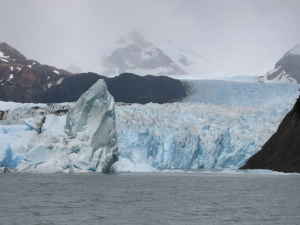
x=281, y=152
x=287, y=69
x=22, y=80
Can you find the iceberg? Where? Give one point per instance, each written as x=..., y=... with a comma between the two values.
x=89, y=143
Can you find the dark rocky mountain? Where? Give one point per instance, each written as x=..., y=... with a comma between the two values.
x=282, y=151
x=22, y=80
x=127, y=88
x=287, y=69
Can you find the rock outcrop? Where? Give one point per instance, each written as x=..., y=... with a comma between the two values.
x=287, y=69
x=89, y=143
x=282, y=151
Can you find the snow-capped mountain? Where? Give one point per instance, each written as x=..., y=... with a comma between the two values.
x=134, y=54
x=287, y=69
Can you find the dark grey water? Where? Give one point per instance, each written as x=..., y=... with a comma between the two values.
x=149, y=198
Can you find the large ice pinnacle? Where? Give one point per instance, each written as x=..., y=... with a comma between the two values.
x=90, y=143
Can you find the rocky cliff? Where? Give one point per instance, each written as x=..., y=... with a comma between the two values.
x=282, y=151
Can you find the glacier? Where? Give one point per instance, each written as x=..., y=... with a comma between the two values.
x=220, y=125
x=83, y=141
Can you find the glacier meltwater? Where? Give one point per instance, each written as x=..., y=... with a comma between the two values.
x=220, y=125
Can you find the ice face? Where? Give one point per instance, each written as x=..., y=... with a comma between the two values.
x=90, y=142
x=193, y=135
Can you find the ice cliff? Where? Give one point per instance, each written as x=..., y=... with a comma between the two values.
x=191, y=135
x=84, y=140
x=221, y=125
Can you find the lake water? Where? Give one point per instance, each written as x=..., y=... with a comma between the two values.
x=149, y=198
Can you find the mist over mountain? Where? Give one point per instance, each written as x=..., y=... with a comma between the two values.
x=133, y=53
x=247, y=37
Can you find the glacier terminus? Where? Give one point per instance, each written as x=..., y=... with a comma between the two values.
x=211, y=131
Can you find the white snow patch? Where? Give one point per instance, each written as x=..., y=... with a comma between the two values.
x=48, y=78
x=11, y=68
x=49, y=85
x=4, y=60
x=11, y=76
x=55, y=71
x=59, y=81
x=44, y=88
x=29, y=66
x=3, y=56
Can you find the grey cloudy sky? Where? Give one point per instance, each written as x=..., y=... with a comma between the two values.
x=253, y=34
